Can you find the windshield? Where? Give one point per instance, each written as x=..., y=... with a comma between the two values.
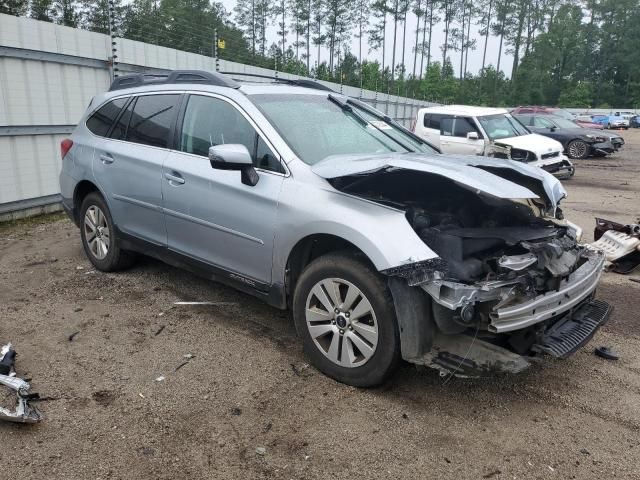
x=316, y=127
x=502, y=126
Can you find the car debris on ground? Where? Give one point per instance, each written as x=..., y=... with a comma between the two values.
x=23, y=413
x=620, y=243
x=606, y=352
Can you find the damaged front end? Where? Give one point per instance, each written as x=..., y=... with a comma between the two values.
x=511, y=280
x=501, y=296
x=554, y=163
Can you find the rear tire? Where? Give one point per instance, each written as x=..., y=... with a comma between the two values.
x=345, y=314
x=99, y=238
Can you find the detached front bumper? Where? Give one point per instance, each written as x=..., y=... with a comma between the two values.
x=617, y=143
x=604, y=148
x=465, y=355
x=560, y=169
x=578, y=286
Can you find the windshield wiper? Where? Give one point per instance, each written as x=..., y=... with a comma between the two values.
x=389, y=120
x=346, y=106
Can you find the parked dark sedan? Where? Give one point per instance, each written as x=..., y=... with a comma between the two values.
x=578, y=142
x=634, y=122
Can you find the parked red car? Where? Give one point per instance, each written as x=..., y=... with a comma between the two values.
x=560, y=112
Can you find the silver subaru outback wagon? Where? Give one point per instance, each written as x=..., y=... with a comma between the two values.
x=382, y=248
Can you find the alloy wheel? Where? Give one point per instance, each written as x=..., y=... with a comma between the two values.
x=341, y=322
x=96, y=232
x=578, y=149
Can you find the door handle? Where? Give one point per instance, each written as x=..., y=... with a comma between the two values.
x=106, y=159
x=174, y=178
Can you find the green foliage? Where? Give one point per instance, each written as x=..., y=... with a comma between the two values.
x=573, y=53
x=14, y=7
x=41, y=10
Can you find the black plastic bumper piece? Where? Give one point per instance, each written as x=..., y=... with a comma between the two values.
x=570, y=333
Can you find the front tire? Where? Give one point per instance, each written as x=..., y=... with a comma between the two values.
x=344, y=312
x=99, y=238
x=577, y=149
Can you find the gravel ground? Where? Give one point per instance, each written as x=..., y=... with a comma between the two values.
x=248, y=388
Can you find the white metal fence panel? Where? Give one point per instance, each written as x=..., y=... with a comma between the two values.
x=48, y=75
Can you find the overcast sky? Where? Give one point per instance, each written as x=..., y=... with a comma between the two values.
x=475, y=56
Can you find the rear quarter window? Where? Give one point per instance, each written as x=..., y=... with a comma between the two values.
x=100, y=122
x=432, y=120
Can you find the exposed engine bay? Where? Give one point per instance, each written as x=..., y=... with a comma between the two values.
x=506, y=268
x=478, y=237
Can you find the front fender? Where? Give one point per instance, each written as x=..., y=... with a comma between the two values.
x=382, y=233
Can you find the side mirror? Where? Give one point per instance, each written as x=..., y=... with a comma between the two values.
x=234, y=156
x=553, y=129
x=473, y=136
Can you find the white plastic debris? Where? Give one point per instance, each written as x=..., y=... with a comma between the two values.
x=160, y=378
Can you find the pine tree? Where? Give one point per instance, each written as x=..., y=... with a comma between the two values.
x=67, y=12
x=448, y=8
x=361, y=21
x=41, y=10
x=337, y=24
x=378, y=31
x=14, y=7
x=95, y=16
x=316, y=33
x=279, y=13
x=246, y=18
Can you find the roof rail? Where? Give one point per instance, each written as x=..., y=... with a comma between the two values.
x=176, y=76
x=300, y=82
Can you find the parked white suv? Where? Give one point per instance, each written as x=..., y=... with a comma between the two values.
x=492, y=132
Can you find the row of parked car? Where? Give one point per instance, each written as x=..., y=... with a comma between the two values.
x=546, y=137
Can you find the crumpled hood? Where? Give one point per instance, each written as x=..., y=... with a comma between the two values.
x=462, y=169
x=533, y=142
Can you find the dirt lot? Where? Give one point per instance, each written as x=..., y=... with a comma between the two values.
x=248, y=385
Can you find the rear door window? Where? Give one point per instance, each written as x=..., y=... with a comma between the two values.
x=151, y=120
x=526, y=120
x=100, y=122
x=542, y=122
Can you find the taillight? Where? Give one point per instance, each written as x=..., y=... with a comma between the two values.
x=65, y=146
